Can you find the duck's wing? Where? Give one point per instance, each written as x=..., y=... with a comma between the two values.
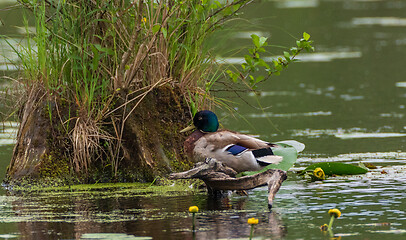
x=223, y=138
x=239, y=151
x=260, y=157
x=251, y=142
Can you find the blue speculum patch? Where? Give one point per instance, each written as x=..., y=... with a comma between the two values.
x=236, y=149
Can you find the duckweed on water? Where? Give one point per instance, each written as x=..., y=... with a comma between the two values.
x=166, y=187
x=101, y=203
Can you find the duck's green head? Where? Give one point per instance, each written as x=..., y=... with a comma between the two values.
x=206, y=121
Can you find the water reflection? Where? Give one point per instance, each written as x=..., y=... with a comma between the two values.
x=8, y=131
x=304, y=57
x=247, y=34
x=82, y=212
x=234, y=225
x=72, y=214
x=401, y=84
x=369, y=135
x=370, y=203
x=296, y=3
x=381, y=21
x=9, y=59
x=8, y=2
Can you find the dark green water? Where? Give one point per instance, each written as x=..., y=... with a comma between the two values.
x=346, y=102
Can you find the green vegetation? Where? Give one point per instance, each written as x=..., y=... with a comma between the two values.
x=102, y=67
x=162, y=188
x=254, y=63
x=335, y=168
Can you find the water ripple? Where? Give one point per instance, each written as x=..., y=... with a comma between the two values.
x=380, y=21
x=288, y=115
x=8, y=132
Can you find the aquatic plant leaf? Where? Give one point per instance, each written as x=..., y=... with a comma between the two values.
x=336, y=168
x=288, y=153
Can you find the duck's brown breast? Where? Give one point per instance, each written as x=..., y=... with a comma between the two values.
x=189, y=143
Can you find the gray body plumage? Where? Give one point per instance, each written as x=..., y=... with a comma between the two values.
x=214, y=145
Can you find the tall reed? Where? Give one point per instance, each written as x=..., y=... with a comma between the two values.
x=89, y=51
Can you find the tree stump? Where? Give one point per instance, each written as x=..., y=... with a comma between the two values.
x=150, y=143
x=217, y=176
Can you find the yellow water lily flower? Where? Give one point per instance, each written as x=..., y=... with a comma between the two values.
x=324, y=227
x=319, y=173
x=252, y=221
x=334, y=212
x=193, y=209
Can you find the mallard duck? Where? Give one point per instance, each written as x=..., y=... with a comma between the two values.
x=237, y=151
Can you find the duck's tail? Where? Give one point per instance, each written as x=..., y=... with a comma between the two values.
x=265, y=156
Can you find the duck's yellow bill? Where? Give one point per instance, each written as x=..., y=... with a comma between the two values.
x=188, y=128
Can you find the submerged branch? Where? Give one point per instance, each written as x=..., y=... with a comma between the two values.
x=220, y=177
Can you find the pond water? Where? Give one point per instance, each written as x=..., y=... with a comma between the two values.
x=346, y=102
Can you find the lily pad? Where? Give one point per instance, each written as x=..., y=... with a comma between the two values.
x=288, y=153
x=336, y=168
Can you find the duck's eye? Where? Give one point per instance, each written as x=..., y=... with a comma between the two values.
x=200, y=118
